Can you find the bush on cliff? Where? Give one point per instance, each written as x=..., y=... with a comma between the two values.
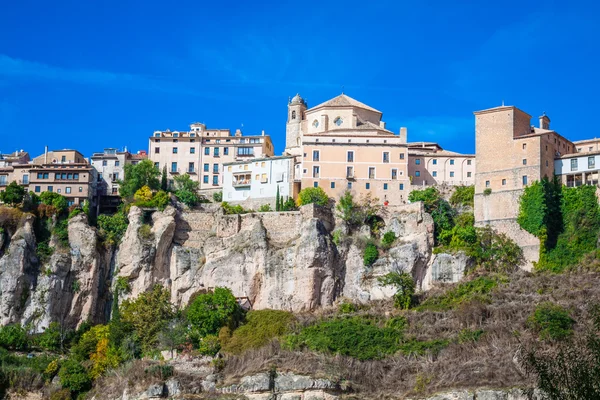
x=74, y=376
x=13, y=194
x=136, y=176
x=186, y=190
x=55, y=200
x=370, y=254
x=113, y=227
x=405, y=287
x=207, y=313
x=440, y=210
x=463, y=196
x=311, y=195
x=551, y=321
x=13, y=337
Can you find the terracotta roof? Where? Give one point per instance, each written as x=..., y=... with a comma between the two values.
x=138, y=156
x=344, y=101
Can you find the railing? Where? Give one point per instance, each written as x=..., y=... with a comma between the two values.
x=243, y=182
x=191, y=171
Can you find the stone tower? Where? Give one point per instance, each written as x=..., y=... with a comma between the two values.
x=293, y=127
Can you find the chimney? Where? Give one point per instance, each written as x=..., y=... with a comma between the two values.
x=46, y=155
x=403, y=135
x=544, y=121
x=263, y=133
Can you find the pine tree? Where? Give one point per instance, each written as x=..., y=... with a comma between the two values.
x=277, y=198
x=163, y=181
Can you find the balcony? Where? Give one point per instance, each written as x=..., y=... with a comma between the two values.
x=191, y=171
x=174, y=171
x=350, y=175
x=242, y=180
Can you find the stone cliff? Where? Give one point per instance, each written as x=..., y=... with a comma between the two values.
x=279, y=260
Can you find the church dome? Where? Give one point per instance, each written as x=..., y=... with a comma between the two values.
x=297, y=100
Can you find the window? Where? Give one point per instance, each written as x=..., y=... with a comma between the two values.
x=25, y=179
x=192, y=150
x=68, y=190
x=157, y=135
x=315, y=155
x=205, y=179
x=294, y=116
x=38, y=189
x=315, y=184
x=315, y=123
x=174, y=150
x=574, y=164
x=50, y=188
x=156, y=140
x=367, y=185
x=524, y=161
x=40, y=175
x=63, y=159
x=503, y=182
x=371, y=172
x=349, y=172
x=229, y=168
x=191, y=167
x=385, y=186
x=105, y=163
x=46, y=175
x=434, y=174
x=350, y=157
x=451, y=174
x=315, y=171
x=487, y=184
x=451, y=162
x=349, y=185
x=338, y=121
x=69, y=176
x=402, y=156
x=80, y=189
x=63, y=176
x=176, y=135
x=245, y=151
x=417, y=173
x=386, y=157
x=173, y=167
x=394, y=173
x=468, y=174
x=524, y=179
x=216, y=152
x=256, y=177
x=333, y=185
x=546, y=163
x=206, y=167
x=226, y=151
x=525, y=144
x=417, y=161
x=263, y=178
x=590, y=148
x=468, y=162
x=215, y=180
x=115, y=190
x=115, y=176
x=263, y=164
x=434, y=161
x=402, y=186
x=206, y=151
x=156, y=165
x=117, y=163
x=591, y=164
x=215, y=168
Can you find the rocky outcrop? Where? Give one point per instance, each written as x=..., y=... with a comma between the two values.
x=446, y=268
x=487, y=394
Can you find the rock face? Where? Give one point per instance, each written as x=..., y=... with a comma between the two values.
x=69, y=288
x=446, y=268
x=487, y=394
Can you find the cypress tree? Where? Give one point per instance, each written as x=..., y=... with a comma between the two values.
x=277, y=198
x=163, y=181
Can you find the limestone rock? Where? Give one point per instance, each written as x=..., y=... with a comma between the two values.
x=446, y=268
x=155, y=391
x=287, y=382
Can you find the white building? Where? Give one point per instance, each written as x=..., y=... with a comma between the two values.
x=255, y=182
x=578, y=169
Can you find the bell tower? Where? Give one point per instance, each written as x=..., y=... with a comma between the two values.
x=293, y=127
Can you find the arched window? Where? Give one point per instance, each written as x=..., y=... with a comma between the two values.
x=294, y=114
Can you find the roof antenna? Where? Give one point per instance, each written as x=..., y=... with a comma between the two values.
x=502, y=102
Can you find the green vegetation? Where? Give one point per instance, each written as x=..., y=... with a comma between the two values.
x=405, y=288
x=145, y=232
x=13, y=337
x=13, y=194
x=356, y=214
x=74, y=376
x=164, y=183
x=487, y=191
x=551, y=321
x=469, y=335
x=477, y=289
x=43, y=252
x=440, y=210
x=112, y=227
x=144, y=197
x=370, y=254
x=313, y=195
x=209, y=312
x=137, y=176
x=260, y=328
x=237, y=209
x=266, y=208
x=388, y=239
x=567, y=221
x=217, y=197
x=186, y=190
x=463, y=196
x=55, y=200
x=61, y=231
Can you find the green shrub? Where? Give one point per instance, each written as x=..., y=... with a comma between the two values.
x=74, y=376
x=161, y=371
x=61, y=231
x=138, y=175
x=209, y=345
x=347, y=308
x=356, y=337
x=419, y=348
x=13, y=194
x=313, y=195
x=50, y=339
x=551, y=321
x=43, y=252
x=336, y=237
x=55, y=200
x=405, y=287
x=75, y=212
x=145, y=232
x=388, y=239
x=399, y=323
x=370, y=254
x=357, y=213
x=487, y=191
x=476, y=289
x=289, y=205
x=218, y=197
x=62, y=394
x=440, y=210
x=265, y=208
x=160, y=200
x=186, y=189
x=208, y=312
x=463, y=196
x=113, y=227
x=237, y=209
x=260, y=327
x=469, y=335
x=13, y=337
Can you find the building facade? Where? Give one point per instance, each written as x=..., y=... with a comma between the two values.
x=201, y=152
x=343, y=145
x=256, y=182
x=510, y=154
x=429, y=164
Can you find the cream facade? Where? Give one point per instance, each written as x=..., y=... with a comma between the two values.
x=429, y=164
x=201, y=152
x=343, y=145
x=255, y=182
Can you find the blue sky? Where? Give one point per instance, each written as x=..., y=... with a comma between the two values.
x=92, y=74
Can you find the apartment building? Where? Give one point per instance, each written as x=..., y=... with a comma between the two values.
x=255, y=182
x=510, y=154
x=344, y=145
x=13, y=168
x=429, y=164
x=66, y=172
x=201, y=152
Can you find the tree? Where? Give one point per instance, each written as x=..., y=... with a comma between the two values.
x=313, y=195
x=174, y=335
x=73, y=376
x=142, y=174
x=164, y=183
x=143, y=194
x=405, y=287
x=55, y=200
x=186, y=190
x=277, y=197
x=148, y=314
x=13, y=194
x=13, y=337
x=208, y=312
x=440, y=210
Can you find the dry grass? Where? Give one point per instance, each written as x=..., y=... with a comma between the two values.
x=492, y=361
